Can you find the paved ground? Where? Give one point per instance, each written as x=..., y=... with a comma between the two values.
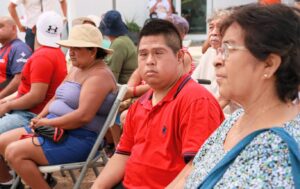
x=66, y=182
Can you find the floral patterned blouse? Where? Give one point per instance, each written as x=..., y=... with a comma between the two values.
x=264, y=163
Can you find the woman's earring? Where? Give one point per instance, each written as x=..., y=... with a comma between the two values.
x=265, y=75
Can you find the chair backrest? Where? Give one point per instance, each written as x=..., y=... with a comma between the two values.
x=122, y=89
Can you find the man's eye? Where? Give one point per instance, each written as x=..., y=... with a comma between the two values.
x=143, y=54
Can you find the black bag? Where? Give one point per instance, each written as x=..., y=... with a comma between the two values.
x=57, y=135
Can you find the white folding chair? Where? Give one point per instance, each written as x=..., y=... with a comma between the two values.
x=95, y=154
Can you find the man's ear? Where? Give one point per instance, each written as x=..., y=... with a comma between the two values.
x=180, y=55
x=14, y=29
x=272, y=64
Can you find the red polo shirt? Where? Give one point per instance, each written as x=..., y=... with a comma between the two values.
x=158, y=138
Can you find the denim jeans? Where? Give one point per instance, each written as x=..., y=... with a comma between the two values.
x=15, y=119
x=29, y=38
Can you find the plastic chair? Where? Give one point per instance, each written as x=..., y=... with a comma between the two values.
x=93, y=160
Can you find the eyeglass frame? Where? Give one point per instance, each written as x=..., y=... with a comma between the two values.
x=224, y=49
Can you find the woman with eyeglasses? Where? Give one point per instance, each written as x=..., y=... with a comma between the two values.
x=258, y=66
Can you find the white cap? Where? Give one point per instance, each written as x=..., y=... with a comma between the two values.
x=49, y=28
x=90, y=18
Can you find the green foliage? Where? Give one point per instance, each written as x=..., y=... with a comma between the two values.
x=133, y=26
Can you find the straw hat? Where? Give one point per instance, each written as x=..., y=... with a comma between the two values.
x=84, y=35
x=89, y=18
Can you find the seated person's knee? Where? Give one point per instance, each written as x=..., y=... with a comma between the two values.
x=11, y=153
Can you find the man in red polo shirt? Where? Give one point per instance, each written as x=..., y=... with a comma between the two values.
x=41, y=75
x=165, y=128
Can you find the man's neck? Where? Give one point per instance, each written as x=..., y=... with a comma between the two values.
x=159, y=94
x=4, y=43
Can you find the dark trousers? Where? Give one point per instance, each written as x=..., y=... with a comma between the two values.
x=29, y=38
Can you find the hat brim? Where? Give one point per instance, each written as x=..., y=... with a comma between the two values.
x=81, y=44
x=119, y=30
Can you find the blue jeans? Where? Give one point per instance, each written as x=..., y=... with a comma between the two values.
x=15, y=119
x=29, y=38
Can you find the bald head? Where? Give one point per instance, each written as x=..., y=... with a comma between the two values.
x=8, y=20
x=8, y=30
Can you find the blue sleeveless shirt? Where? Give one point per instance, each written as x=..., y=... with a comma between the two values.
x=67, y=100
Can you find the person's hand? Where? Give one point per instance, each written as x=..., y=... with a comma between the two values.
x=2, y=101
x=4, y=108
x=36, y=122
x=65, y=20
x=22, y=28
x=129, y=93
x=33, y=121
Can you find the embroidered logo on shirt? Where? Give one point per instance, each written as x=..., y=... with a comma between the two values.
x=164, y=130
x=22, y=59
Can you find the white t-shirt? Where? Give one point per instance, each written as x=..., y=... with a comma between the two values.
x=162, y=8
x=33, y=9
x=206, y=70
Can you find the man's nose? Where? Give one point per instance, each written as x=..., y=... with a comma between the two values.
x=150, y=60
x=215, y=31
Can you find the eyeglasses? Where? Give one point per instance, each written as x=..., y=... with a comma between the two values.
x=226, y=47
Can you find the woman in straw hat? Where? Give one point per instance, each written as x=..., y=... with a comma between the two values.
x=75, y=108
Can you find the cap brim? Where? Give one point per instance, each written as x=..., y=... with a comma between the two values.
x=78, y=43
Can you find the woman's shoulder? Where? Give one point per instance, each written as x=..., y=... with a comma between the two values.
x=123, y=40
x=267, y=158
x=99, y=74
x=270, y=145
x=293, y=128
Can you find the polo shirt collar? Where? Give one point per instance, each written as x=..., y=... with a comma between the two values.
x=146, y=100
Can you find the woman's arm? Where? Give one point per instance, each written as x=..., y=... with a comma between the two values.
x=135, y=89
x=93, y=93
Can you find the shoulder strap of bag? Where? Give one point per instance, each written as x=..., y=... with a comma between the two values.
x=294, y=152
x=218, y=171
